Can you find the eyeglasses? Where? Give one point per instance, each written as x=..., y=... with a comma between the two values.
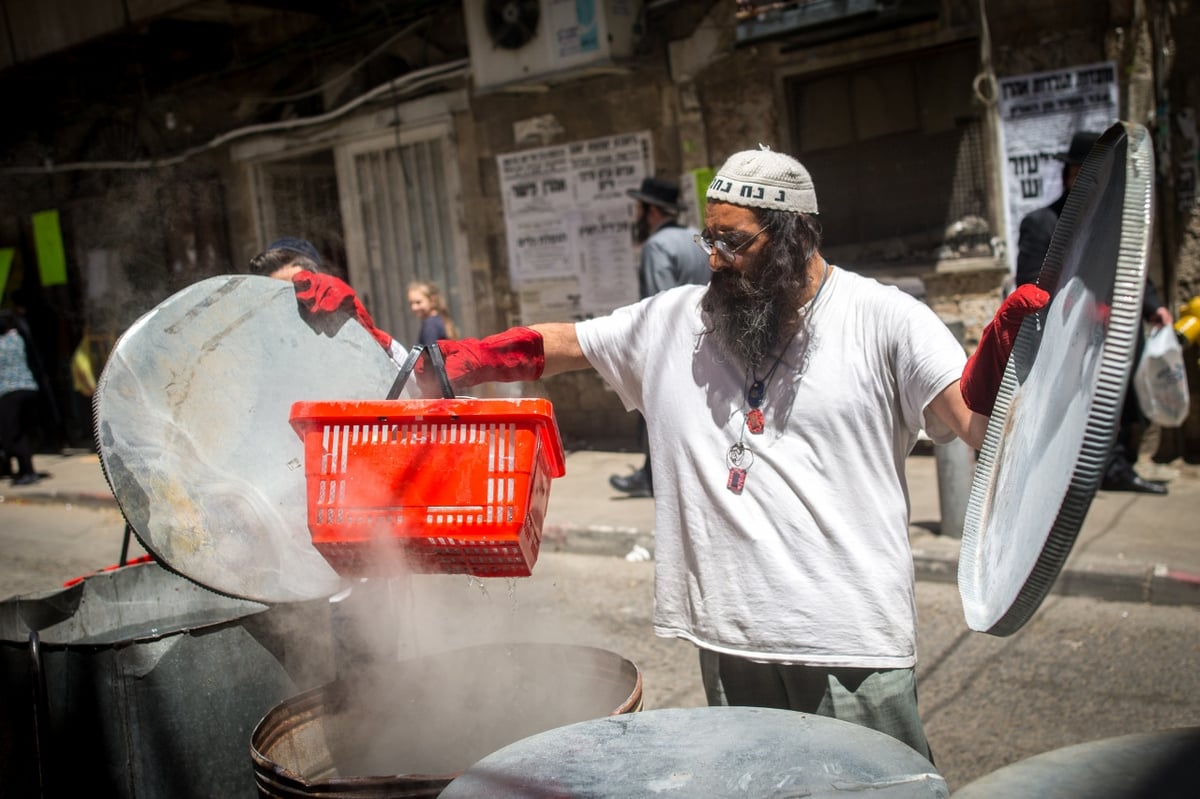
x=722, y=246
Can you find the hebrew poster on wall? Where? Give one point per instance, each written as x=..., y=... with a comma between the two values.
x=1039, y=113
x=569, y=225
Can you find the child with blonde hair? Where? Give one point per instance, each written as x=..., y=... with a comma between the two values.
x=426, y=302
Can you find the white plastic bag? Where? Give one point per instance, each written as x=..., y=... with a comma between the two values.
x=1160, y=379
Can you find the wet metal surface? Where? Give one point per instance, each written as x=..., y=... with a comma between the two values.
x=710, y=751
x=193, y=435
x=407, y=728
x=143, y=684
x=1159, y=764
x=1057, y=411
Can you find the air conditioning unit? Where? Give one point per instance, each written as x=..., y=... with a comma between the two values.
x=512, y=41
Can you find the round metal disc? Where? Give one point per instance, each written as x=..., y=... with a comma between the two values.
x=1059, y=404
x=193, y=435
x=705, y=751
x=1159, y=764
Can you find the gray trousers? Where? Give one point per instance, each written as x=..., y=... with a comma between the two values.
x=884, y=700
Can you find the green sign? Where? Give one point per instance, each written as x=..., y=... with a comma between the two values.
x=692, y=190
x=47, y=240
x=6, y=258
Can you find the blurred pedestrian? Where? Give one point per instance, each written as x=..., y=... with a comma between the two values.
x=669, y=258
x=284, y=257
x=425, y=301
x=19, y=398
x=318, y=292
x=1037, y=229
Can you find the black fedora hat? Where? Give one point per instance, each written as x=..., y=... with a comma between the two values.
x=1081, y=145
x=657, y=191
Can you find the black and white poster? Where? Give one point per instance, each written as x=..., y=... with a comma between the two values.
x=569, y=223
x=1039, y=113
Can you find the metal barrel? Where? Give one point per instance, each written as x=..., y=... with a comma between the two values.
x=139, y=683
x=406, y=729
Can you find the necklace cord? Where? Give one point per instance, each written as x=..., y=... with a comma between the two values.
x=740, y=457
x=804, y=312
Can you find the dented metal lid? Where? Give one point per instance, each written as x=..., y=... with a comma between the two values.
x=192, y=430
x=1059, y=405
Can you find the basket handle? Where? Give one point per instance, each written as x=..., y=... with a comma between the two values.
x=439, y=368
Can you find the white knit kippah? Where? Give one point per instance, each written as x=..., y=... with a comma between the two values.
x=763, y=178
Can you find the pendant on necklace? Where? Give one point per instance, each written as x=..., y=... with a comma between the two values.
x=755, y=421
x=739, y=459
x=755, y=394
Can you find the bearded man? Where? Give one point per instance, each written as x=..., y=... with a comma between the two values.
x=781, y=401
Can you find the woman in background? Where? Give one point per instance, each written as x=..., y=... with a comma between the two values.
x=426, y=302
x=18, y=401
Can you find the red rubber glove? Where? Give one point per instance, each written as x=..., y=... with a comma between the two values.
x=323, y=294
x=514, y=355
x=985, y=368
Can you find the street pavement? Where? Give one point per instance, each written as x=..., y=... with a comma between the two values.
x=1132, y=547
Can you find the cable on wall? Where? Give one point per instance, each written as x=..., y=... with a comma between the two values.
x=408, y=82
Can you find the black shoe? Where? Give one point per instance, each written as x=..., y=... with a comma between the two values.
x=1130, y=481
x=26, y=479
x=635, y=485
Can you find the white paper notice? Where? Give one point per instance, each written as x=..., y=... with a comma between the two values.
x=1039, y=114
x=540, y=247
x=604, y=169
x=569, y=222
x=607, y=265
x=551, y=301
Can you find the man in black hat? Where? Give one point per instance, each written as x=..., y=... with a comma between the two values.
x=1037, y=228
x=670, y=258
x=669, y=254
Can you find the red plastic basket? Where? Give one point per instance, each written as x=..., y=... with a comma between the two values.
x=452, y=485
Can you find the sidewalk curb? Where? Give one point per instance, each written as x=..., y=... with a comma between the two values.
x=1157, y=584
x=77, y=498
x=596, y=540
x=1174, y=587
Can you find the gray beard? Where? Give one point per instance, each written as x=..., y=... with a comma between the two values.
x=747, y=323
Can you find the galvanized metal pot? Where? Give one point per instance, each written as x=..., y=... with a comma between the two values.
x=140, y=683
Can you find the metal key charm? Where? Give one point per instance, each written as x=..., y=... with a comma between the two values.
x=739, y=459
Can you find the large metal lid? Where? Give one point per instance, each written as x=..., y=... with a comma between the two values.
x=193, y=434
x=1160, y=763
x=1059, y=404
x=704, y=751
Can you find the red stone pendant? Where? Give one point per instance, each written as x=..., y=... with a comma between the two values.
x=755, y=421
x=737, y=480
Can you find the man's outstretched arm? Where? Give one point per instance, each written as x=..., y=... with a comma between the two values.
x=561, y=347
x=514, y=355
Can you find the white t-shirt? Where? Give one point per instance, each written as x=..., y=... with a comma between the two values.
x=811, y=562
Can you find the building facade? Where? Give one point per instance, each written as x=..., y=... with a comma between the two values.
x=412, y=140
